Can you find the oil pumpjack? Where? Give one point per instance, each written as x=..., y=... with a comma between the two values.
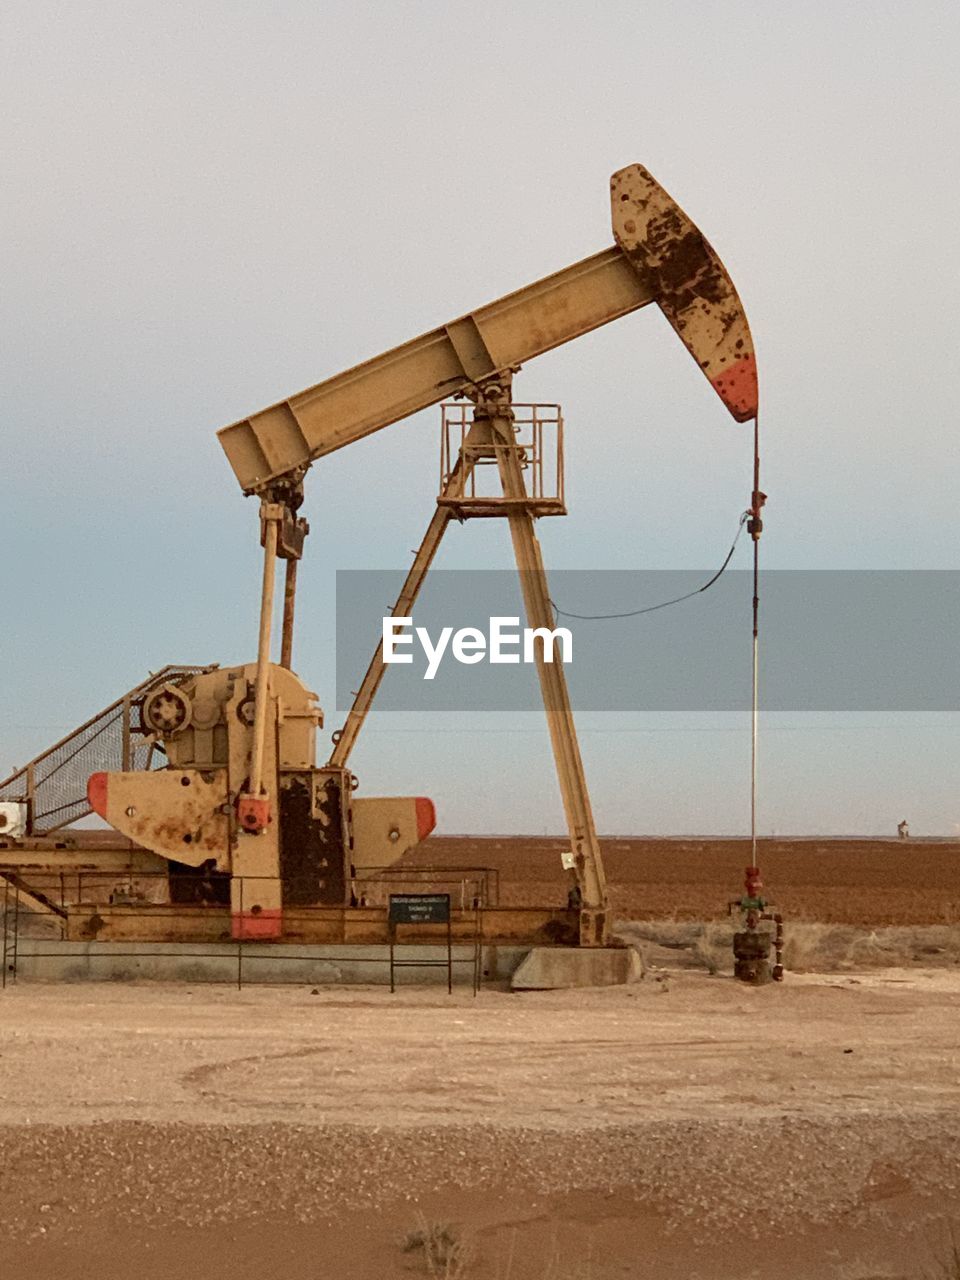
x=242, y=799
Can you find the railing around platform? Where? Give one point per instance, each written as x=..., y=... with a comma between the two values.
x=149, y=924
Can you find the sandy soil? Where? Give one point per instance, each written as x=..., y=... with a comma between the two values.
x=842, y=881
x=685, y=1126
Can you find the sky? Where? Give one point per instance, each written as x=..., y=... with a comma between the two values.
x=207, y=207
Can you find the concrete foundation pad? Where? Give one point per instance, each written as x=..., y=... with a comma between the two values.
x=558, y=968
x=253, y=962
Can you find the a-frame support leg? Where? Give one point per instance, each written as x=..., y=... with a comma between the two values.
x=493, y=428
x=494, y=408
x=346, y=738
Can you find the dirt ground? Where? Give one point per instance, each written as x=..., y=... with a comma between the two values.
x=686, y=1126
x=866, y=882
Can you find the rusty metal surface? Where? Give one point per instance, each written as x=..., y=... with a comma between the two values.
x=385, y=828
x=179, y=813
x=289, y=612
x=313, y=839
x=517, y=926
x=73, y=839
x=32, y=897
x=692, y=286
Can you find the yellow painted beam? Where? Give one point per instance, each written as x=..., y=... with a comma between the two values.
x=433, y=367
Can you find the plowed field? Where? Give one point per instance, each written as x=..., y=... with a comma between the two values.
x=833, y=881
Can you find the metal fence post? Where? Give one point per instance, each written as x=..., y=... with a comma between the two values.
x=6, y=899
x=449, y=955
x=240, y=942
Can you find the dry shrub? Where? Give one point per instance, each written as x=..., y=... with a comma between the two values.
x=707, y=945
x=808, y=948
x=444, y=1254
x=714, y=947
x=676, y=934
x=819, y=948
x=816, y=948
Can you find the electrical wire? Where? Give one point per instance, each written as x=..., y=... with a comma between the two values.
x=753, y=520
x=664, y=604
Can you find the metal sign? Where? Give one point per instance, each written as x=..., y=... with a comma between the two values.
x=419, y=908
